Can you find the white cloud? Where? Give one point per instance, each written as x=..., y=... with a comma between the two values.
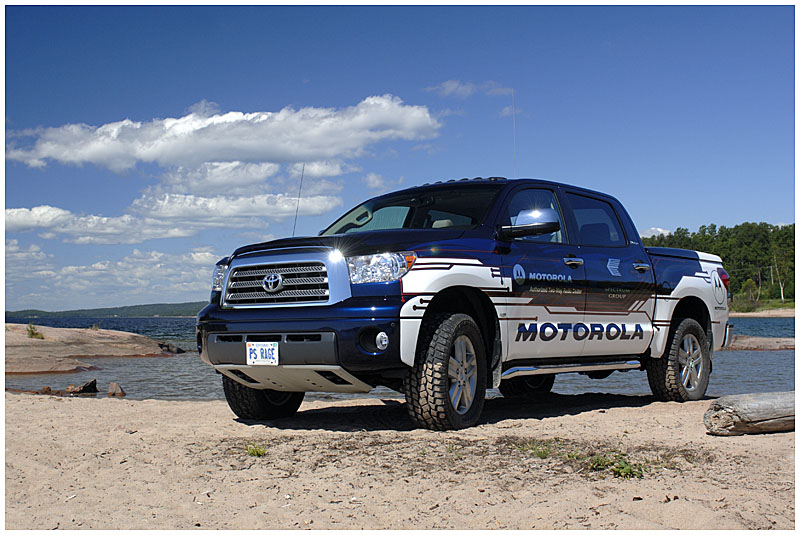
x=654, y=231
x=196, y=208
x=321, y=169
x=454, y=88
x=215, y=177
x=375, y=181
x=493, y=89
x=142, y=276
x=92, y=229
x=25, y=263
x=508, y=111
x=459, y=89
x=289, y=135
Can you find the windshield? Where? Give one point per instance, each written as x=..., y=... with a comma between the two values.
x=459, y=207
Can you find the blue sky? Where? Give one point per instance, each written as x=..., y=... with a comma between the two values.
x=143, y=143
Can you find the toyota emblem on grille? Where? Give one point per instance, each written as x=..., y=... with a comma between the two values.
x=272, y=282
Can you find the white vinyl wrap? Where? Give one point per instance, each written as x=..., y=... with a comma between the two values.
x=430, y=276
x=700, y=286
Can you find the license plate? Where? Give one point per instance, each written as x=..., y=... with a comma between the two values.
x=262, y=353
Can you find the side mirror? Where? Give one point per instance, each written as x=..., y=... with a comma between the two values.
x=531, y=223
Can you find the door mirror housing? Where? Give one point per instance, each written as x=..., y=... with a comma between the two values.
x=531, y=223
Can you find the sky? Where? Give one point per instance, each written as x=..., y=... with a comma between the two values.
x=145, y=143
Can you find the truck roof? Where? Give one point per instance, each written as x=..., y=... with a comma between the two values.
x=499, y=180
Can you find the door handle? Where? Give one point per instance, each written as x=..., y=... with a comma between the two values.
x=573, y=262
x=641, y=267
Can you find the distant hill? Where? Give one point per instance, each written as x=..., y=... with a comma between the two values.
x=134, y=311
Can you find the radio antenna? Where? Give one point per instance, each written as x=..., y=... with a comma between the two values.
x=514, y=130
x=300, y=192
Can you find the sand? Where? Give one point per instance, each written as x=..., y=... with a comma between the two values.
x=61, y=349
x=772, y=313
x=115, y=463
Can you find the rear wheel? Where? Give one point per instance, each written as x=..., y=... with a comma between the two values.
x=683, y=372
x=527, y=386
x=253, y=404
x=446, y=387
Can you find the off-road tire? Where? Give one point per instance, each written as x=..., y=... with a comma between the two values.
x=427, y=385
x=664, y=374
x=530, y=387
x=253, y=404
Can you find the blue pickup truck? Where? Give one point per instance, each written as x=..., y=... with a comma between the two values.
x=444, y=290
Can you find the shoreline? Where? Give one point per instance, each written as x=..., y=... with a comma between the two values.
x=771, y=313
x=361, y=464
x=58, y=349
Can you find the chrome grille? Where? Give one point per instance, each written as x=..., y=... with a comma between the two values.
x=305, y=282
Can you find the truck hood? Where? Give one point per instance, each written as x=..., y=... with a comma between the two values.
x=360, y=243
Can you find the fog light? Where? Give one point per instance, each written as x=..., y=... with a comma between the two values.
x=382, y=341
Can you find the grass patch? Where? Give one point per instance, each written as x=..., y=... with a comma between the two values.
x=256, y=451
x=33, y=333
x=757, y=306
x=588, y=458
x=538, y=448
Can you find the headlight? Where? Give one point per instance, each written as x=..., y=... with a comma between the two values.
x=379, y=267
x=218, y=278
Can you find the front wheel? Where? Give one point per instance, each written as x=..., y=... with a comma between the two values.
x=446, y=387
x=253, y=404
x=683, y=372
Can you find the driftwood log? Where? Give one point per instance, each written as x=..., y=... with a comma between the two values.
x=751, y=413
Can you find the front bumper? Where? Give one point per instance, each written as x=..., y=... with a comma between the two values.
x=326, y=349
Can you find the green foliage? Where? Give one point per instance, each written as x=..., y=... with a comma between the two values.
x=33, y=333
x=759, y=252
x=618, y=463
x=539, y=448
x=256, y=451
x=134, y=311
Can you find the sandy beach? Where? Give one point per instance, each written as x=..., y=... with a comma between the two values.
x=773, y=313
x=115, y=463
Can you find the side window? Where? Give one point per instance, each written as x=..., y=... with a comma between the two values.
x=597, y=222
x=534, y=199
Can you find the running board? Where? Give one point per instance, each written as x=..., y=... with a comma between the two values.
x=553, y=369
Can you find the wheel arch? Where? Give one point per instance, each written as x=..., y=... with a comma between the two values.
x=693, y=307
x=472, y=301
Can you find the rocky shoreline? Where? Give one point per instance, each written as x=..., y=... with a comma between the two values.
x=59, y=350
x=759, y=343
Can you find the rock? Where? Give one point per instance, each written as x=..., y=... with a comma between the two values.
x=46, y=390
x=114, y=390
x=60, y=348
x=170, y=348
x=757, y=343
x=88, y=388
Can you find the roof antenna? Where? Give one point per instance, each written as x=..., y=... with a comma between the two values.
x=514, y=119
x=302, y=172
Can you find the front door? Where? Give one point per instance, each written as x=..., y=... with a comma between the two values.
x=547, y=297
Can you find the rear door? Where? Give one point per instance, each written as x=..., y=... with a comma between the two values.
x=619, y=278
x=547, y=280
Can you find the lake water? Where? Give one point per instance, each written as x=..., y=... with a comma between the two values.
x=186, y=377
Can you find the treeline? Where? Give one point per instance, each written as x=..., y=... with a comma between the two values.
x=133, y=311
x=759, y=257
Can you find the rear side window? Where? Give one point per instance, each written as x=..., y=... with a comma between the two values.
x=597, y=222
